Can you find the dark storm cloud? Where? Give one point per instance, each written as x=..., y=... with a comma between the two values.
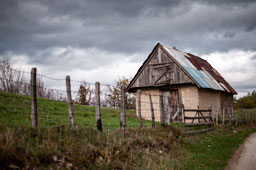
x=69, y=33
x=127, y=26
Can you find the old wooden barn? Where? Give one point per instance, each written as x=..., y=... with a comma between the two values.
x=181, y=78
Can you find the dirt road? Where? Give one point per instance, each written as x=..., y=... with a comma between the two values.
x=245, y=157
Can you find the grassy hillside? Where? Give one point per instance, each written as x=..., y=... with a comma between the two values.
x=15, y=110
x=52, y=146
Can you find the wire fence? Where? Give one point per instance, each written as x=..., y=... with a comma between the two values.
x=52, y=109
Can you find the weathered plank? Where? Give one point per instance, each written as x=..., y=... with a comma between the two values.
x=196, y=117
x=197, y=110
x=197, y=131
x=198, y=124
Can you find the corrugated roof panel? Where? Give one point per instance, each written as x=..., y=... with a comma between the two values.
x=202, y=76
x=198, y=69
x=191, y=71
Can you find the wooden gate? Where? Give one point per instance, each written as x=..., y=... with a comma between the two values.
x=199, y=123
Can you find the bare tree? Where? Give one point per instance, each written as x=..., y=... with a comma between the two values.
x=113, y=95
x=11, y=80
x=85, y=94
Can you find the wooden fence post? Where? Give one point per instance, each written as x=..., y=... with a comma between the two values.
x=229, y=111
x=34, y=121
x=183, y=113
x=223, y=116
x=180, y=116
x=237, y=118
x=139, y=108
x=122, y=115
x=97, y=105
x=210, y=112
x=217, y=116
x=241, y=116
x=70, y=104
x=161, y=102
x=152, y=110
x=170, y=109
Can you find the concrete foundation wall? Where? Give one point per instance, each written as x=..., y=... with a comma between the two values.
x=209, y=97
x=145, y=104
x=191, y=96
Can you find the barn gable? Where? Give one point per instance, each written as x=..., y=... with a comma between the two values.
x=169, y=66
x=159, y=70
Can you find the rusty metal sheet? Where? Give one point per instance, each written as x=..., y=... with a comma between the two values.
x=200, y=70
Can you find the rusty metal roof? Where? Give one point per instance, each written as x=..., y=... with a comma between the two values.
x=199, y=69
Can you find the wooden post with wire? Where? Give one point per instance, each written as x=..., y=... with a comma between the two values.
x=180, y=116
x=122, y=109
x=70, y=104
x=223, y=116
x=34, y=121
x=97, y=105
x=139, y=108
x=152, y=110
x=161, y=102
x=217, y=116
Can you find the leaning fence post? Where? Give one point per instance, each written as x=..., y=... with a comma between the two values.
x=97, y=105
x=152, y=110
x=122, y=116
x=161, y=102
x=70, y=105
x=34, y=121
x=139, y=108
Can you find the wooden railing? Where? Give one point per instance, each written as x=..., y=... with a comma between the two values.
x=203, y=123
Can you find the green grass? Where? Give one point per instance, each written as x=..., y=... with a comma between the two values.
x=55, y=146
x=15, y=110
x=213, y=149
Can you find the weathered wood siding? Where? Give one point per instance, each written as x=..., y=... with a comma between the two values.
x=161, y=70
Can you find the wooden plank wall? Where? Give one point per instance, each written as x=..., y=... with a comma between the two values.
x=161, y=70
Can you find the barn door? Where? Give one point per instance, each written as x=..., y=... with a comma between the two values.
x=170, y=101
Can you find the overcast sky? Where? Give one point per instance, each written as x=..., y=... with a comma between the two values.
x=102, y=40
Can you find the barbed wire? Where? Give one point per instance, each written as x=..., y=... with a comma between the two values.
x=53, y=78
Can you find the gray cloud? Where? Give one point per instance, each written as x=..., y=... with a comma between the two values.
x=121, y=29
x=127, y=26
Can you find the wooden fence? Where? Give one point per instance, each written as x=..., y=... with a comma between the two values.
x=202, y=121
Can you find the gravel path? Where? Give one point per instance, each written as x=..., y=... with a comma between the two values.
x=245, y=157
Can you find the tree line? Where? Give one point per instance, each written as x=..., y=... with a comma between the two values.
x=246, y=102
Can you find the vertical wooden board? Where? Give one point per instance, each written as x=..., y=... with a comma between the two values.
x=153, y=71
